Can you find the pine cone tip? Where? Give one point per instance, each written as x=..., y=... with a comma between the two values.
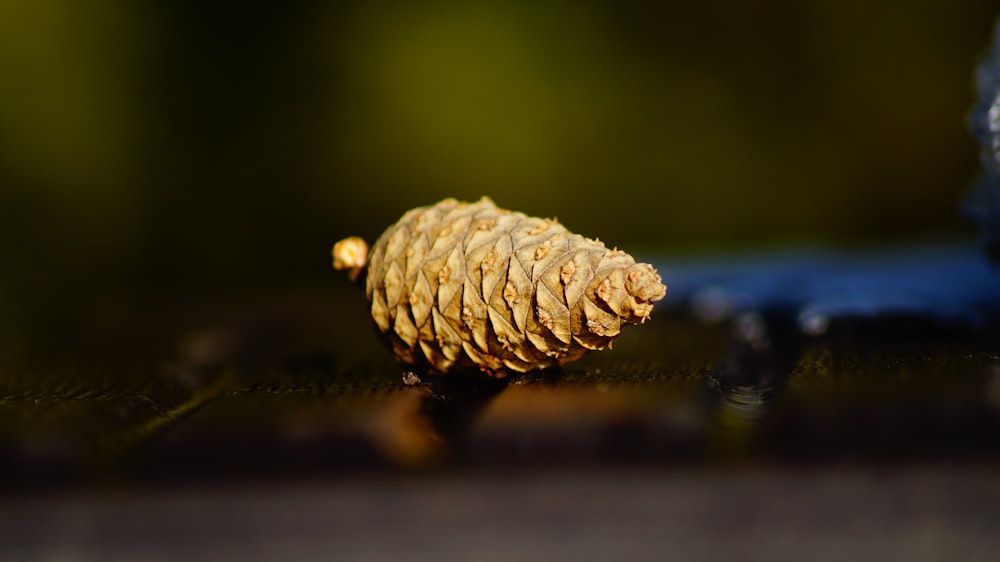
x=351, y=255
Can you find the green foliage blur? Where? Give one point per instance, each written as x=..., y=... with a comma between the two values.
x=153, y=149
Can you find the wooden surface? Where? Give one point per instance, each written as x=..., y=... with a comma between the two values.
x=270, y=426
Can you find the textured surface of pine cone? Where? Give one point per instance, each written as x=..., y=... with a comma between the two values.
x=471, y=286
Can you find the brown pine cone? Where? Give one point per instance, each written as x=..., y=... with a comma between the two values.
x=468, y=285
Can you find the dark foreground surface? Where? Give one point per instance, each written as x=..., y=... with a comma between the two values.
x=914, y=513
x=738, y=424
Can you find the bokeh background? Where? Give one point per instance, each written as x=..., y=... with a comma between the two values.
x=163, y=151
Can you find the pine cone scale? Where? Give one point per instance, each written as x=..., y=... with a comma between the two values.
x=576, y=279
x=494, y=267
x=517, y=294
x=392, y=285
x=449, y=291
x=553, y=314
x=404, y=326
x=380, y=311
x=421, y=299
x=474, y=315
x=416, y=254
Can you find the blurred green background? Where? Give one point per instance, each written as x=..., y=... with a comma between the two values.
x=176, y=150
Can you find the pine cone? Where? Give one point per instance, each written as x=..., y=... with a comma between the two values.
x=468, y=285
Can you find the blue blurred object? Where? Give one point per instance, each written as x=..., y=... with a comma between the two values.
x=984, y=122
x=946, y=285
